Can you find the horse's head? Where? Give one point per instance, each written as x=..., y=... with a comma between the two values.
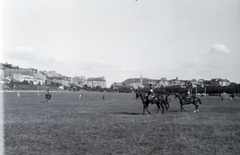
x=140, y=95
x=137, y=95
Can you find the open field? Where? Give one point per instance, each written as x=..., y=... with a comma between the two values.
x=69, y=125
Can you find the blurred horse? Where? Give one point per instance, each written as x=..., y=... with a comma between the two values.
x=191, y=100
x=146, y=100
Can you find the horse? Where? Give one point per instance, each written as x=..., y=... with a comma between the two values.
x=48, y=97
x=154, y=100
x=165, y=101
x=184, y=101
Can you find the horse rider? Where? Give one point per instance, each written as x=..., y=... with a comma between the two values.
x=150, y=94
x=188, y=97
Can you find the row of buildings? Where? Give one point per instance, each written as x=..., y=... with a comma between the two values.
x=163, y=82
x=36, y=77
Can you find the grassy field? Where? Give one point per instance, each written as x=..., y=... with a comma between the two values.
x=72, y=126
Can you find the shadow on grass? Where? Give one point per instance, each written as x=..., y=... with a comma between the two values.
x=126, y=113
x=44, y=102
x=176, y=111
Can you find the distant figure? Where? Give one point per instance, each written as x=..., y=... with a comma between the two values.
x=48, y=96
x=232, y=96
x=80, y=96
x=37, y=93
x=18, y=94
x=103, y=97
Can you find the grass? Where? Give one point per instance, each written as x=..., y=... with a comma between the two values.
x=91, y=125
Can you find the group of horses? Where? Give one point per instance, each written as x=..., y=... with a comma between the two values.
x=161, y=101
x=164, y=102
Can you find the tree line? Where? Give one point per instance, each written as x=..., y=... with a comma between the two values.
x=211, y=90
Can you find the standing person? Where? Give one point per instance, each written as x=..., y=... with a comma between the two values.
x=48, y=96
x=80, y=96
x=232, y=96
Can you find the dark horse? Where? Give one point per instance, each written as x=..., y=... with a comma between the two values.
x=146, y=101
x=184, y=101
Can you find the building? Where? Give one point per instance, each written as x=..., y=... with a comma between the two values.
x=137, y=85
x=177, y=82
x=80, y=81
x=51, y=74
x=163, y=83
x=21, y=78
x=94, y=82
x=116, y=85
x=219, y=82
x=8, y=72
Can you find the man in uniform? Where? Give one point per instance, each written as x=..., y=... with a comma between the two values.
x=150, y=94
x=188, y=97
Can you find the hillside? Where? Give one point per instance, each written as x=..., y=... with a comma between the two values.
x=137, y=80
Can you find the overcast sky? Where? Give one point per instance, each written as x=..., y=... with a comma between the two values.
x=120, y=39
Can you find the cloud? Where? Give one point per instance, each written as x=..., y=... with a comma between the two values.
x=29, y=55
x=219, y=49
x=191, y=63
x=105, y=66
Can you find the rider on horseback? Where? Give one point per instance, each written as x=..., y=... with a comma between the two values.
x=188, y=97
x=150, y=94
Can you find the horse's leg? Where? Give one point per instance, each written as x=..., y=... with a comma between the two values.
x=182, y=109
x=162, y=108
x=167, y=105
x=164, y=103
x=198, y=101
x=158, y=107
x=181, y=105
x=196, y=107
x=147, y=109
x=143, y=109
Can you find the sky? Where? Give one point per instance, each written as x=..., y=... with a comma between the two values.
x=121, y=39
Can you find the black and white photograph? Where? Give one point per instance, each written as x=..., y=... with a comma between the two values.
x=120, y=77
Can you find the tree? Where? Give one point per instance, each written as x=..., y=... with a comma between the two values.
x=25, y=82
